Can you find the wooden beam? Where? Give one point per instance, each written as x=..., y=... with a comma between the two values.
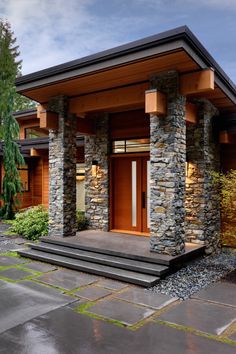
x=34, y=152
x=40, y=108
x=85, y=126
x=227, y=137
x=48, y=120
x=155, y=102
x=119, y=98
x=191, y=113
x=200, y=81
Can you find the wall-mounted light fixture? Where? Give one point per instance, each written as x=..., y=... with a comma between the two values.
x=94, y=168
x=186, y=169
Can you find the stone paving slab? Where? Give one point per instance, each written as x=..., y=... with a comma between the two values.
x=121, y=311
x=11, y=246
x=6, y=261
x=23, y=301
x=40, y=267
x=112, y=284
x=67, y=279
x=202, y=316
x=93, y=293
x=64, y=331
x=146, y=298
x=221, y=292
x=14, y=274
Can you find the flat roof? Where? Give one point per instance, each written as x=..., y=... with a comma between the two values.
x=168, y=41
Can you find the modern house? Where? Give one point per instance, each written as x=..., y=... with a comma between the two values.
x=157, y=116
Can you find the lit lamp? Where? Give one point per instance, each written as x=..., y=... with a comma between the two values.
x=186, y=169
x=94, y=168
x=187, y=166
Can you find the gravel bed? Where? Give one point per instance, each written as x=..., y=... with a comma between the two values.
x=197, y=274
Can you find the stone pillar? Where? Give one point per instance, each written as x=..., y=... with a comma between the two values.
x=62, y=171
x=97, y=187
x=167, y=156
x=202, y=198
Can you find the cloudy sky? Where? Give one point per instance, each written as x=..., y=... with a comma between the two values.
x=51, y=32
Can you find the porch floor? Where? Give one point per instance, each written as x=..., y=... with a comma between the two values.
x=124, y=245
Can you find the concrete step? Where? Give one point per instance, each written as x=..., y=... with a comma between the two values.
x=107, y=250
x=165, y=260
x=145, y=280
x=105, y=259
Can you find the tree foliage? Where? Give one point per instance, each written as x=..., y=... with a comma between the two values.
x=227, y=184
x=9, y=129
x=22, y=103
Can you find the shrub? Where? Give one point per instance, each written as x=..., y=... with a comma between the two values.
x=227, y=184
x=31, y=223
x=82, y=221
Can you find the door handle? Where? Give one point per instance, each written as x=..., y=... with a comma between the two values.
x=143, y=200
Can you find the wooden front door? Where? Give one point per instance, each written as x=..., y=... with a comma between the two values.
x=130, y=194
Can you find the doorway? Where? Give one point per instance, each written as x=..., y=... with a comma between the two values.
x=130, y=194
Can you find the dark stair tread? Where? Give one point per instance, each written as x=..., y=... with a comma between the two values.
x=123, y=254
x=94, y=268
x=105, y=259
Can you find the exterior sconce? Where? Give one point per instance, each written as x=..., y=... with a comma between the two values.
x=94, y=168
x=187, y=169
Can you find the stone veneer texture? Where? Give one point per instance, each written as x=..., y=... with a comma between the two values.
x=202, y=197
x=97, y=187
x=167, y=157
x=62, y=171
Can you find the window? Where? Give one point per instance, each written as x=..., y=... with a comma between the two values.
x=35, y=133
x=24, y=177
x=131, y=145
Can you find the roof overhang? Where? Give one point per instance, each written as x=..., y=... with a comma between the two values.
x=128, y=65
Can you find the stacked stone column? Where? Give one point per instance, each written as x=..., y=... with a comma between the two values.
x=167, y=158
x=62, y=171
x=97, y=187
x=202, y=197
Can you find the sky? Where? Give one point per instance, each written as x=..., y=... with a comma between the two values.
x=51, y=32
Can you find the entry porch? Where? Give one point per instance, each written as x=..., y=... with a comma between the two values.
x=115, y=255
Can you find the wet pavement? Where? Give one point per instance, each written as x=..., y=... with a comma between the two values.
x=60, y=311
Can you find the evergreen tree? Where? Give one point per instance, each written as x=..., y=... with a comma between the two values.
x=9, y=129
x=22, y=103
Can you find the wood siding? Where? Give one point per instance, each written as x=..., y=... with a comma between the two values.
x=130, y=124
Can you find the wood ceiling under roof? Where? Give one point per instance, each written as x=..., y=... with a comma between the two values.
x=128, y=74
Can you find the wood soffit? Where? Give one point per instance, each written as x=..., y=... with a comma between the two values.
x=138, y=72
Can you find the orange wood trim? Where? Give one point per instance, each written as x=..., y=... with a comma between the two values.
x=131, y=96
x=155, y=102
x=227, y=138
x=200, y=81
x=131, y=233
x=85, y=126
x=34, y=152
x=48, y=120
x=191, y=113
x=134, y=154
x=41, y=108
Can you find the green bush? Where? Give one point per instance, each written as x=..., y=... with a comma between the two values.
x=31, y=223
x=227, y=194
x=82, y=221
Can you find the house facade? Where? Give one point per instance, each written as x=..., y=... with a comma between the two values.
x=155, y=117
